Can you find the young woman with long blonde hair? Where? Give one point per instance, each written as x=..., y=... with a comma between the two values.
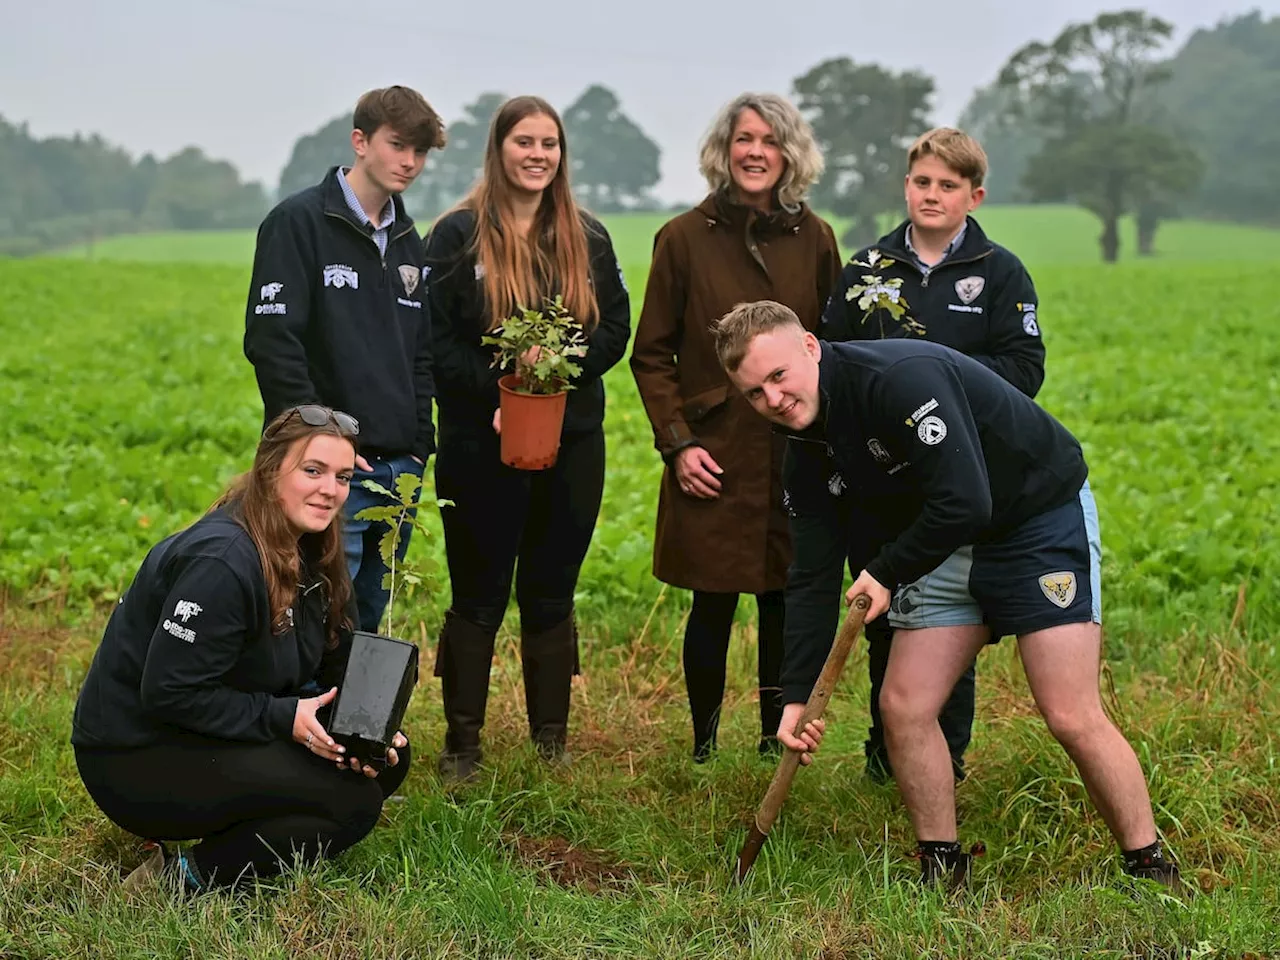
x=517, y=240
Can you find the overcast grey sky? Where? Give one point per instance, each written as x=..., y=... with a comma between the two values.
x=244, y=78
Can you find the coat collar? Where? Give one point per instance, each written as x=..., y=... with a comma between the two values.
x=719, y=210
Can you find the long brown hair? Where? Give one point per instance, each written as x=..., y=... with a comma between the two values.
x=255, y=505
x=556, y=250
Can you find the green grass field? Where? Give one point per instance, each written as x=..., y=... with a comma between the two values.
x=128, y=404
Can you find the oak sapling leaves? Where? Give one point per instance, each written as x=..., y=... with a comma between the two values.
x=876, y=293
x=557, y=337
x=400, y=517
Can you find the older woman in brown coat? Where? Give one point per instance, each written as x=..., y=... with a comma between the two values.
x=721, y=528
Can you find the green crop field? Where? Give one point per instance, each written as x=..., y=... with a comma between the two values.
x=128, y=404
x=1046, y=234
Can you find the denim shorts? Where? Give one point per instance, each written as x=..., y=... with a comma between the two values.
x=1044, y=573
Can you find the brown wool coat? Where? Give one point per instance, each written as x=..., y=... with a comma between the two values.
x=705, y=262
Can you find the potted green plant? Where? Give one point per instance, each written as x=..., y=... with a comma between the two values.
x=538, y=346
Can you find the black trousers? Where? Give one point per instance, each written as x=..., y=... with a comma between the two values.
x=254, y=807
x=956, y=718
x=706, y=651
x=544, y=519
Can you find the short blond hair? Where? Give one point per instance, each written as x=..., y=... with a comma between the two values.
x=734, y=331
x=804, y=161
x=955, y=148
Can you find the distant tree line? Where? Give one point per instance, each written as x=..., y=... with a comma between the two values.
x=67, y=190
x=1093, y=117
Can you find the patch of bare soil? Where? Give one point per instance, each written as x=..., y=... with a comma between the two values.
x=569, y=866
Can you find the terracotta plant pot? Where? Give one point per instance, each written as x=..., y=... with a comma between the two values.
x=531, y=424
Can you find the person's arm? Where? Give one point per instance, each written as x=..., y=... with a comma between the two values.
x=829, y=273
x=922, y=414
x=838, y=322
x=278, y=313
x=1014, y=347
x=460, y=362
x=607, y=343
x=205, y=623
x=657, y=342
x=860, y=529
x=424, y=385
x=819, y=537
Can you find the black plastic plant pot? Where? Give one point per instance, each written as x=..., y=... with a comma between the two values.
x=375, y=691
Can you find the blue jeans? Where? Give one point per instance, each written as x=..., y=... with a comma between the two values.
x=361, y=537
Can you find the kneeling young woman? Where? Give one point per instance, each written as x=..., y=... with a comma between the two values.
x=196, y=720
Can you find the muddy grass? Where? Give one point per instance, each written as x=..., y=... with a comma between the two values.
x=565, y=865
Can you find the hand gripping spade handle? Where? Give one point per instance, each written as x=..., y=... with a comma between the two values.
x=776, y=795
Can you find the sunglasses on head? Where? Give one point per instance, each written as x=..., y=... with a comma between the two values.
x=314, y=415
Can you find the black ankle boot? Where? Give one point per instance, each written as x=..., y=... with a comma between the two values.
x=944, y=865
x=462, y=664
x=550, y=660
x=1150, y=863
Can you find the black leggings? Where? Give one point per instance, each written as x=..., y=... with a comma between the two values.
x=706, y=650
x=251, y=805
x=545, y=518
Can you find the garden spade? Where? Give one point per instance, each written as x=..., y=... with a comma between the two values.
x=776, y=795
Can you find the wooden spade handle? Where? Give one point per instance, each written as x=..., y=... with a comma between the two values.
x=776, y=795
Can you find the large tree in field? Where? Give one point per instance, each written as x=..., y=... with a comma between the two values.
x=314, y=153
x=1225, y=89
x=193, y=192
x=1107, y=146
x=452, y=172
x=1009, y=142
x=614, y=164
x=864, y=117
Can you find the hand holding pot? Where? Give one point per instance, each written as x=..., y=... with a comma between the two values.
x=399, y=740
x=526, y=360
x=309, y=732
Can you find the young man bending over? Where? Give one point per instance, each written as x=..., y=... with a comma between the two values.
x=898, y=453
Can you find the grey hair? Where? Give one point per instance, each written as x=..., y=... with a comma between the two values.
x=804, y=161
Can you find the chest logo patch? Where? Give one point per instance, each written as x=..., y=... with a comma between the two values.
x=970, y=288
x=409, y=276
x=340, y=275
x=932, y=431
